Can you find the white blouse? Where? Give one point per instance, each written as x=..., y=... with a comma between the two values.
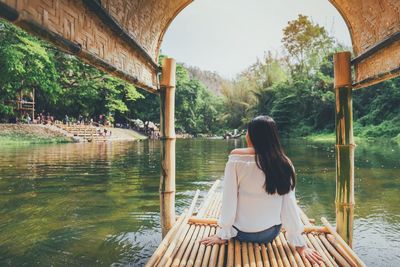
x=247, y=206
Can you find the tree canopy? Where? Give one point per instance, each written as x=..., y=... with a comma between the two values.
x=294, y=86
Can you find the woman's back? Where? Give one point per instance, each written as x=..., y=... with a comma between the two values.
x=258, y=192
x=256, y=210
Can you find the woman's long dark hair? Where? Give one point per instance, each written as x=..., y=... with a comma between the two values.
x=270, y=158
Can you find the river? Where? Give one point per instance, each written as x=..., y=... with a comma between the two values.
x=97, y=204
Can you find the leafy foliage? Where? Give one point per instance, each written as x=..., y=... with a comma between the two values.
x=295, y=89
x=63, y=84
x=24, y=65
x=306, y=43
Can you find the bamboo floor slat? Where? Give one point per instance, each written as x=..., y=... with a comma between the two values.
x=187, y=251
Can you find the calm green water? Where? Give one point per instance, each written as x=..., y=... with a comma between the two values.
x=98, y=204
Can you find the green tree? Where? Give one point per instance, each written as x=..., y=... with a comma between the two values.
x=24, y=65
x=306, y=44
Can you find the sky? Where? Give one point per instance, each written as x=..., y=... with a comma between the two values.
x=227, y=36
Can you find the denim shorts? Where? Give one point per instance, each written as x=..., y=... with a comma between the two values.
x=265, y=236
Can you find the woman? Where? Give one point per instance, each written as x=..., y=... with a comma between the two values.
x=258, y=193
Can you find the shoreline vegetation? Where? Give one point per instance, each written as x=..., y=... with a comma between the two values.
x=331, y=138
x=293, y=85
x=29, y=134
x=24, y=134
x=31, y=140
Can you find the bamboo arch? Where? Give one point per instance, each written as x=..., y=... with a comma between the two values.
x=124, y=37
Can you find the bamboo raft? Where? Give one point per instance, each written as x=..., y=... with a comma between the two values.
x=181, y=247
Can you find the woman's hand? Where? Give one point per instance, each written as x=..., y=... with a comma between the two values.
x=211, y=240
x=312, y=255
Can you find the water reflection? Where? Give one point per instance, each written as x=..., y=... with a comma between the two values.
x=98, y=203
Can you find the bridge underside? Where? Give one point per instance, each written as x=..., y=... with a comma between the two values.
x=123, y=37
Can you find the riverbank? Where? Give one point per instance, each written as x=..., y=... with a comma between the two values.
x=120, y=134
x=31, y=134
x=24, y=134
x=321, y=137
x=331, y=138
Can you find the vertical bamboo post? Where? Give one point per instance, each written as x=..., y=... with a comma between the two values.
x=344, y=146
x=167, y=128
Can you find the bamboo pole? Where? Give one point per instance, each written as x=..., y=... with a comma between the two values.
x=339, y=259
x=271, y=254
x=207, y=253
x=214, y=252
x=196, y=246
x=341, y=250
x=252, y=256
x=293, y=261
x=217, y=207
x=213, y=206
x=276, y=253
x=317, y=229
x=310, y=245
x=166, y=260
x=182, y=248
x=167, y=127
x=208, y=207
x=221, y=256
x=298, y=257
x=208, y=221
x=207, y=199
x=317, y=247
x=305, y=219
x=202, y=249
x=230, y=260
x=238, y=258
x=165, y=242
x=265, y=256
x=345, y=246
x=344, y=146
x=188, y=250
x=245, y=254
x=257, y=252
x=328, y=255
x=281, y=250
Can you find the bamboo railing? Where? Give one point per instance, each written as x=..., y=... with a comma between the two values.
x=181, y=245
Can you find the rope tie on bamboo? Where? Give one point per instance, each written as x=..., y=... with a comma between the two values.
x=167, y=192
x=168, y=138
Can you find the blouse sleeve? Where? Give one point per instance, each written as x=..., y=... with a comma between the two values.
x=229, y=202
x=290, y=217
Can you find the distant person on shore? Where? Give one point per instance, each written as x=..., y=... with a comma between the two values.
x=259, y=193
x=66, y=119
x=28, y=119
x=80, y=119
